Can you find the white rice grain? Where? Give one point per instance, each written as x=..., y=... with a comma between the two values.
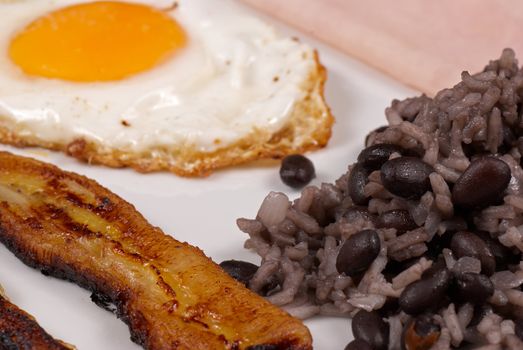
x=411, y=274
x=451, y=321
x=395, y=330
x=514, y=296
x=273, y=209
x=506, y=280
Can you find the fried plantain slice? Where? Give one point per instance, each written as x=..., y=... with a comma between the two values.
x=169, y=293
x=19, y=330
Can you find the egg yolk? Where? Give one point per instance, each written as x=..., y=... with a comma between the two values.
x=96, y=41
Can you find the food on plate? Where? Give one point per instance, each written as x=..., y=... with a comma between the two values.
x=169, y=293
x=296, y=170
x=19, y=330
x=188, y=88
x=421, y=240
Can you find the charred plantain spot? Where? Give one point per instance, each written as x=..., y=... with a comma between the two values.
x=54, y=183
x=223, y=339
x=53, y=211
x=7, y=341
x=165, y=287
x=140, y=327
x=33, y=223
x=76, y=200
x=264, y=347
x=194, y=319
x=228, y=344
x=161, y=282
x=270, y=347
x=67, y=222
x=105, y=206
x=137, y=257
x=118, y=248
x=77, y=228
x=170, y=306
x=197, y=314
x=19, y=330
x=104, y=302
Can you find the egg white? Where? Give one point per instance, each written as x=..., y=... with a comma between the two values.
x=235, y=75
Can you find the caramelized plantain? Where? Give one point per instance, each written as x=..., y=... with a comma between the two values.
x=19, y=330
x=168, y=292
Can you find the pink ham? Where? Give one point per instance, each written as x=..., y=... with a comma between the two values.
x=425, y=44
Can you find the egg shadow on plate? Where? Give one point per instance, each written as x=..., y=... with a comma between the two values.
x=342, y=98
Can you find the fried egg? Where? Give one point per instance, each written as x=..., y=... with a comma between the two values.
x=142, y=83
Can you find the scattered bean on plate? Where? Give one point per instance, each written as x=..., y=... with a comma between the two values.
x=296, y=170
x=242, y=271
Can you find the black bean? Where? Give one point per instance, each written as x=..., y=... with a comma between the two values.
x=399, y=219
x=390, y=308
x=480, y=311
x=370, y=327
x=375, y=156
x=437, y=265
x=519, y=328
x=358, y=252
x=355, y=213
x=426, y=293
x=437, y=244
x=482, y=184
x=503, y=255
x=406, y=177
x=420, y=333
x=296, y=170
x=358, y=178
x=241, y=271
x=395, y=267
x=465, y=243
x=473, y=287
x=506, y=311
x=473, y=149
x=358, y=344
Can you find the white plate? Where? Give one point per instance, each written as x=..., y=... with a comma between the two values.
x=203, y=211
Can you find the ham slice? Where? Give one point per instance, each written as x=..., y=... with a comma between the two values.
x=424, y=44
